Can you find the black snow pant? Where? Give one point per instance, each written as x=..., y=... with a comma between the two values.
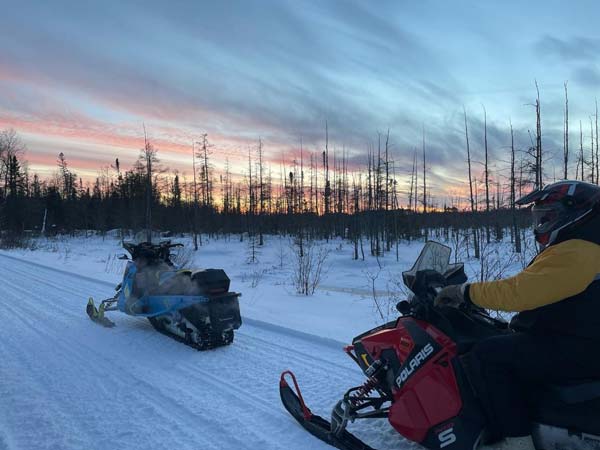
x=506, y=369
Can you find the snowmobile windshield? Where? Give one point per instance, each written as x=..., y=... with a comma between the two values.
x=434, y=256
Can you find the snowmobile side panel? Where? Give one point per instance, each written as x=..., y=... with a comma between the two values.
x=157, y=305
x=464, y=430
x=126, y=286
x=315, y=425
x=426, y=400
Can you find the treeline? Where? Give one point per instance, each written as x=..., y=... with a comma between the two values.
x=317, y=194
x=365, y=210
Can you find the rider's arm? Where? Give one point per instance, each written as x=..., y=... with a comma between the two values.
x=559, y=272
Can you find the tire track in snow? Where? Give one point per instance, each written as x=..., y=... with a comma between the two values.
x=42, y=308
x=82, y=359
x=240, y=396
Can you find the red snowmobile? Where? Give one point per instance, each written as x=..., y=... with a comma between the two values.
x=416, y=377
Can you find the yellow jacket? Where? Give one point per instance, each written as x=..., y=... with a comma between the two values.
x=559, y=272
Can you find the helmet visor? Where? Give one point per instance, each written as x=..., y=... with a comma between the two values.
x=547, y=217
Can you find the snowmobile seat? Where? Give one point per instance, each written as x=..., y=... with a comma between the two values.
x=211, y=281
x=576, y=391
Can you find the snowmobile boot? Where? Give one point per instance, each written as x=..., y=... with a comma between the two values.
x=512, y=443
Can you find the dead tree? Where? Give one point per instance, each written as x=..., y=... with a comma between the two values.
x=566, y=136
x=261, y=186
x=424, y=176
x=411, y=194
x=472, y=198
x=205, y=179
x=581, y=158
x=149, y=158
x=301, y=190
x=486, y=174
x=195, y=216
x=387, y=171
x=515, y=228
x=538, y=140
x=469, y=163
x=327, y=193
x=591, y=162
x=486, y=164
x=261, y=192
x=416, y=201
x=597, y=171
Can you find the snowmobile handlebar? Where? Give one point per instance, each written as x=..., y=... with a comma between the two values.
x=427, y=284
x=148, y=250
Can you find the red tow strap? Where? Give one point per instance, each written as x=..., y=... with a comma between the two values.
x=283, y=383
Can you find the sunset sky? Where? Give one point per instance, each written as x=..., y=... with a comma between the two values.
x=83, y=78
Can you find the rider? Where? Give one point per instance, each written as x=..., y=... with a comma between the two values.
x=557, y=329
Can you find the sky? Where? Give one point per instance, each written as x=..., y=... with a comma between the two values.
x=84, y=78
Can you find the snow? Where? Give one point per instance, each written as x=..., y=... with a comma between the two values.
x=66, y=383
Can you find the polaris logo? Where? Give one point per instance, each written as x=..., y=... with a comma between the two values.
x=414, y=364
x=447, y=437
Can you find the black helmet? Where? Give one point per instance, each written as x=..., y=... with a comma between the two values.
x=560, y=205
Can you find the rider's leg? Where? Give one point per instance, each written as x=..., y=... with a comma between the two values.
x=506, y=368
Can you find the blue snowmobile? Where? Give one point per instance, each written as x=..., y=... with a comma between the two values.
x=191, y=306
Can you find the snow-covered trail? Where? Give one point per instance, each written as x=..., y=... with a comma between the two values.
x=66, y=383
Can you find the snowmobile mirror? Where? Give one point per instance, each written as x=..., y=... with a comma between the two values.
x=123, y=256
x=404, y=307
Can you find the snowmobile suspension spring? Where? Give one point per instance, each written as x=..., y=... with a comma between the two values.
x=364, y=390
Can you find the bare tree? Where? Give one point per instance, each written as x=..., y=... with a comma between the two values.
x=148, y=157
x=205, y=172
x=486, y=164
x=566, y=136
x=10, y=145
x=597, y=162
x=472, y=198
x=411, y=194
x=515, y=229
x=469, y=162
x=261, y=185
x=195, y=206
x=486, y=173
x=424, y=176
x=387, y=171
x=309, y=265
x=538, y=140
x=581, y=161
x=591, y=161
x=327, y=193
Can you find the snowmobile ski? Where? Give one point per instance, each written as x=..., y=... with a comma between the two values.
x=97, y=314
x=315, y=425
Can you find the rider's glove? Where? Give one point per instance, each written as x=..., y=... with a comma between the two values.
x=453, y=296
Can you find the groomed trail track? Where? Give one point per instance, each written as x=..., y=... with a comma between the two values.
x=67, y=383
